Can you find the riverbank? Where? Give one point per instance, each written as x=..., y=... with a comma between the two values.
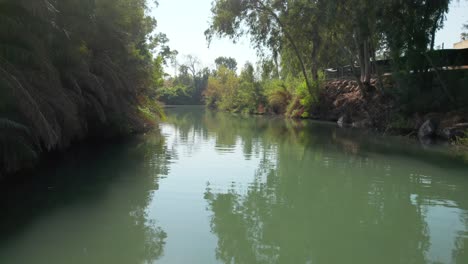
x=343, y=102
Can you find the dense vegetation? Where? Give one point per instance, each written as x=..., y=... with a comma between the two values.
x=255, y=91
x=300, y=39
x=307, y=36
x=187, y=86
x=72, y=69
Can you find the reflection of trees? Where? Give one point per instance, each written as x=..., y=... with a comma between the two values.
x=296, y=217
x=92, y=209
x=186, y=121
x=320, y=197
x=460, y=253
x=187, y=128
x=224, y=128
x=326, y=195
x=257, y=134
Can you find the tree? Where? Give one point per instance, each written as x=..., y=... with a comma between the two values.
x=264, y=21
x=188, y=85
x=464, y=35
x=308, y=35
x=409, y=29
x=268, y=69
x=222, y=88
x=192, y=63
x=227, y=62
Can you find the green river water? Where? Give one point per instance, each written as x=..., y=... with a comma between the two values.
x=213, y=187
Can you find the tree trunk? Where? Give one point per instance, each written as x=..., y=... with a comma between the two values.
x=301, y=62
x=377, y=71
x=360, y=53
x=434, y=29
x=315, y=49
x=361, y=61
x=277, y=68
x=292, y=42
x=367, y=63
x=362, y=47
x=353, y=69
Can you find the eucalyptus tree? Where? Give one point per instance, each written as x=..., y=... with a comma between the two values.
x=268, y=69
x=465, y=31
x=304, y=34
x=307, y=35
x=266, y=21
x=227, y=62
x=409, y=28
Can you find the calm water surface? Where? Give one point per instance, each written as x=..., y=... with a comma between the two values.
x=219, y=188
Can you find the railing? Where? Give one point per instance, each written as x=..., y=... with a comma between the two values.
x=447, y=59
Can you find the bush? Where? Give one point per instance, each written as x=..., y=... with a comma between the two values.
x=462, y=141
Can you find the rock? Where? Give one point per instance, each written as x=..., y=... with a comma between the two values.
x=427, y=129
x=447, y=127
x=343, y=121
x=458, y=130
x=451, y=133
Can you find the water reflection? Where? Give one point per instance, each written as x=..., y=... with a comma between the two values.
x=326, y=195
x=269, y=190
x=91, y=209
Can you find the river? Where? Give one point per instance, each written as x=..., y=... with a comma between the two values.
x=210, y=187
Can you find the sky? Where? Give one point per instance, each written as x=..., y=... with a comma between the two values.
x=185, y=21
x=457, y=16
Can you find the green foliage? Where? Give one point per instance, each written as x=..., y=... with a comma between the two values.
x=279, y=100
x=186, y=88
x=222, y=90
x=228, y=92
x=147, y=114
x=310, y=36
x=425, y=92
x=151, y=111
x=227, y=62
x=244, y=93
x=400, y=123
x=174, y=94
x=308, y=98
x=462, y=141
x=291, y=95
x=70, y=69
